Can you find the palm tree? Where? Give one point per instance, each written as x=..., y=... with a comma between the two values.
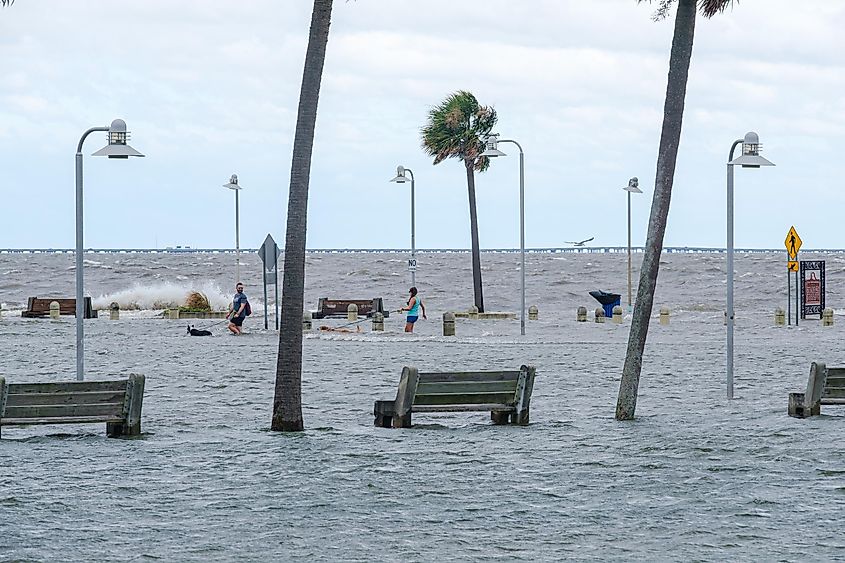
x=287, y=401
x=6, y=2
x=670, y=138
x=455, y=129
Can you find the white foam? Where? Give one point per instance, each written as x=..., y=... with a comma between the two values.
x=163, y=296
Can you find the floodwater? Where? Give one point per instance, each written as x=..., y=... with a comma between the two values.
x=694, y=477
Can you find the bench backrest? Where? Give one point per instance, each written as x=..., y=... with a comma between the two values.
x=467, y=388
x=327, y=306
x=41, y=305
x=834, y=384
x=95, y=400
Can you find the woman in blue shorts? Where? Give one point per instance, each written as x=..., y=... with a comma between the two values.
x=415, y=305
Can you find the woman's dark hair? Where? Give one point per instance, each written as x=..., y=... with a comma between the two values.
x=413, y=292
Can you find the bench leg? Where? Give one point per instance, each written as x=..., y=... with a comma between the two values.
x=383, y=412
x=500, y=417
x=115, y=429
x=520, y=418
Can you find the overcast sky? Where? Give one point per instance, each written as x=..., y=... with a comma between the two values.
x=210, y=87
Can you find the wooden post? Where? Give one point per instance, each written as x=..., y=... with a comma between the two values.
x=378, y=322
x=533, y=313
x=599, y=314
x=581, y=315
x=54, y=310
x=448, y=324
x=617, y=314
x=780, y=317
x=352, y=312
x=524, y=387
x=405, y=397
x=306, y=321
x=827, y=317
x=114, y=311
x=664, y=315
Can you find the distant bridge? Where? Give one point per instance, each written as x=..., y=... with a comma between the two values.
x=551, y=250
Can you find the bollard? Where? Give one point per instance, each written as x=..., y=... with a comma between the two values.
x=448, y=324
x=306, y=321
x=171, y=314
x=617, y=314
x=581, y=315
x=54, y=310
x=664, y=315
x=599, y=314
x=827, y=317
x=473, y=312
x=114, y=311
x=533, y=313
x=378, y=322
x=352, y=312
x=780, y=316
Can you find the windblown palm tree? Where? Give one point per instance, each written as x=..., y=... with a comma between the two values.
x=454, y=130
x=287, y=401
x=670, y=138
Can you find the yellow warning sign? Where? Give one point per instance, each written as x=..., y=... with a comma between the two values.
x=792, y=243
x=792, y=265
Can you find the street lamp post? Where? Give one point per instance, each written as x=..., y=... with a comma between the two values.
x=233, y=185
x=117, y=148
x=750, y=158
x=491, y=150
x=631, y=188
x=401, y=179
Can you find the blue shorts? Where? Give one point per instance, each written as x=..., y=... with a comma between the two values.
x=411, y=319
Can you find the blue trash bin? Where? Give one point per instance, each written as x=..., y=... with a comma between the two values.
x=608, y=301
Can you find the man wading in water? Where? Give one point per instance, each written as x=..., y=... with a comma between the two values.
x=238, y=310
x=415, y=304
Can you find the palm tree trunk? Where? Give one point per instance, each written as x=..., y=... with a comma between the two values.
x=673, y=114
x=287, y=402
x=473, y=227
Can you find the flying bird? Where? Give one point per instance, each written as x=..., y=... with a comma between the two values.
x=580, y=242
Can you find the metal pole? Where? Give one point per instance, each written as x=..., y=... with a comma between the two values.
x=413, y=234
x=237, y=240
x=80, y=282
x=730, y=300
x=264, y=284
x=629, y=251
x=522, y=237
x=276, y=298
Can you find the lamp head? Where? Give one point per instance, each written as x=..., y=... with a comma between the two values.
x=633, y=186
x=491, y=147
x=233, y=183
x=400, y=176
x=117, y=147
x=751, y=147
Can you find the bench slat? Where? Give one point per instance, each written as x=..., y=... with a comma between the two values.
x=835, y=393
x=62, y=420
x=832, y=401
x=459, y=376
x=497, y=386
x=463, y=408
x=836, y=372
x=49, y=411
x=465, y=399
x=69, y=387
x=90, y=398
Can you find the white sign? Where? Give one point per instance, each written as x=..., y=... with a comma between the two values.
x=412, y=264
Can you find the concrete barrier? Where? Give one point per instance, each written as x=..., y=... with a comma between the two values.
x=827, y=317
x=533, y=313
x=306, y=321
x=617, y=314
x=114, y=311
x=581, y=315
x=780, y=316
x=448, y=324
x=664, y=315
x=54, y=310
x=352, y=312
x=599, y=314
x=378, y=322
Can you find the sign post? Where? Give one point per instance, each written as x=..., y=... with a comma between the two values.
x=269, y=254
x=793, y=245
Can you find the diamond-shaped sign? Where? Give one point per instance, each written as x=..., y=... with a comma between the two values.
x=792, y=243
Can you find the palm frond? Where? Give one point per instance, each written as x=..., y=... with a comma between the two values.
x=455, y=128
x=5, y=3
x=707, y=8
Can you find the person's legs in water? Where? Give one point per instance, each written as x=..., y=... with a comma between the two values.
x=409, y=323
x=235, y=325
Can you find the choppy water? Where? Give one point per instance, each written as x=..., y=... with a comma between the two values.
x=693, y=478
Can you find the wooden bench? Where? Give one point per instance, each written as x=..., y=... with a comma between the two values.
x=117, y=403
x=40, y=307
x=506, y=394
x=826, y=386
x=338, y=307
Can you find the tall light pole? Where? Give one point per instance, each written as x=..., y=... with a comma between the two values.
x=633, y=187
x=117, y=148
x=233, y=185
x=750, y=158
x=401, y=179
x=491, y=150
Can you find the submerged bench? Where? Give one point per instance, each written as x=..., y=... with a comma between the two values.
x=826, y=386
x=338, y=307
x=117, y=403
x=40, y=307
x=506, y=394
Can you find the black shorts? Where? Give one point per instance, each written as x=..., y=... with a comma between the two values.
x=237, y=321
